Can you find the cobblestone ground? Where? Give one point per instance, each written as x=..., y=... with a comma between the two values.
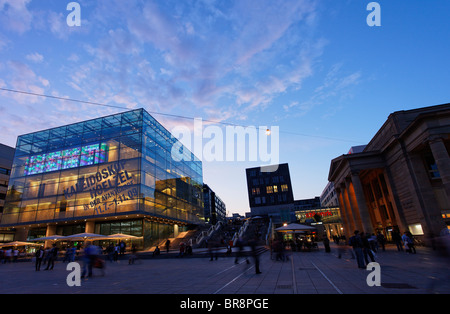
x=302, y=273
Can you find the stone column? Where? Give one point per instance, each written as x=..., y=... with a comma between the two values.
x=361, y=201
x=353, y=204
x=51, y=230
x=343, y=212
x=442, y=159
x=348, y=209
x=90, y=227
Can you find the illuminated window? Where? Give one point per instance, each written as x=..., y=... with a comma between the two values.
x=431, y=166
x=284, y=188
x=275, y=189
x=269, y=189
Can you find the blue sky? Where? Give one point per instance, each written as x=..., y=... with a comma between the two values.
x=314, y=68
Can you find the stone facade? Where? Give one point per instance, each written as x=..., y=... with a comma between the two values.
x=401, y=180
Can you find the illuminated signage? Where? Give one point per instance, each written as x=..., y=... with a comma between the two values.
x=66, y=159
x=110, y=185
x=323, y=214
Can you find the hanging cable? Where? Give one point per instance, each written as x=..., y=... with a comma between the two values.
x=169, y=115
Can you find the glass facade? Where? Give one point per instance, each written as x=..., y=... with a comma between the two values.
x=111, y=166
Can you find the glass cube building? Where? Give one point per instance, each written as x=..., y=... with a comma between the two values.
x=108, y=175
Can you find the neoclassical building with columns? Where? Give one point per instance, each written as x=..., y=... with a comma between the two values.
x=401, y=180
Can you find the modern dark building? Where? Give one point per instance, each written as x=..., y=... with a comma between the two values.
x=6, y=160
x=270, y=190
x=400, y=181
x=308, y=203
x=113, y=174
x=215, y=208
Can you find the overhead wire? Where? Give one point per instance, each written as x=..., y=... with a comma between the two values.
x=166, y=114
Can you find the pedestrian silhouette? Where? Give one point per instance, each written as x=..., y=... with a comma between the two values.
x=253, y=245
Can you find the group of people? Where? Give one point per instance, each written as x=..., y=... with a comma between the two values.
x=9, y=254
x=404, y=242
x=278, y=246
x=253, y=244
x=365, y=245
x=113, y=251
x=91, y=253
x=47, y=256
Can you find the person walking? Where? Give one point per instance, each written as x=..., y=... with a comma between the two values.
x=116, y=252
x=240, y=253
x=133, y=255
x=110, y=252
x=89, y=256
x=39, y=256
x=212, y=250
x=367, y=248
x=167, y=245
x=397, y=238
x=8, y=255
x=408, y=242
x=123, y=247
x=357, y=244
x=326, y=244
x=53, y=255
x=253, y=245
x=381, y=241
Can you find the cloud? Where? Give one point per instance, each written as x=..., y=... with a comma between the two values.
x=197, y=57
x=14, y=15
x=335, y=88
x=21, y=77
x=35, y=57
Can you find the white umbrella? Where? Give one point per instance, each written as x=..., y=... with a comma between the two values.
x=117, y=236
x=83, y=237
x=294, y=228
x=52, y=238
x=17, y=243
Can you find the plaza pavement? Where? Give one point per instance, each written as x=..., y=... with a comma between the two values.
x=315, y=272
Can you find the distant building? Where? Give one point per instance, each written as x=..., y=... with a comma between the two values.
x=6, y=161
x=305, y=204
x=401, y=180
x=214, y=208
x=270, y=191
x=356, y=149
x=328, y=198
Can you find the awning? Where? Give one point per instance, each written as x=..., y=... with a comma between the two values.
x=293, y=228
x=82, y=237
x=50, y=238
x=117, y=236
x=17, y=243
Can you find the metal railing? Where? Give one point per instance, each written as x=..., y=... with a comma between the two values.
x=209, y=232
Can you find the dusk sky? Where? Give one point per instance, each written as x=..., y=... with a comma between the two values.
x=313, y=68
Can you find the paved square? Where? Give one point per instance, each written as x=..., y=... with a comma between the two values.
x=302, y=273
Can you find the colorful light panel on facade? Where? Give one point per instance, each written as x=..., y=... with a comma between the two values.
x=66, y=159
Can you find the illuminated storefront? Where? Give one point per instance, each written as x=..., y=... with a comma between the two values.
x=327, y=220
x=107, y=175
